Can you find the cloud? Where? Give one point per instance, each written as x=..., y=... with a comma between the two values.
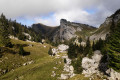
x=92, y=12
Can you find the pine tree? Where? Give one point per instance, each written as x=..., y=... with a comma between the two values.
x=77, y=64
x=72, y=51
x=93, y=46
x=80, y=39
x=4, y=35
x=81, y=49
x=88, y=49
x=113, y=48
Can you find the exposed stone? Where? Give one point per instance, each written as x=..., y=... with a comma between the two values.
x=13, y=37
x=27, y=35
x=24, y=64
x=53, y=74
x=90, y=66
x=67, y=68
x=55, y=51
x=30, y=45
x=113, y=74
x=64, y=76
x=29, y=62
x=63, y=47
x=83, y=43
x=44, y=46
x=55, y=68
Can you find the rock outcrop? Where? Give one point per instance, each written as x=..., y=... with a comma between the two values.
x=91, y=66
x=62, y=48
x=67, y=30
x=68, y=69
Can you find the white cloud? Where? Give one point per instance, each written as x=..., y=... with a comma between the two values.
x=73, y=10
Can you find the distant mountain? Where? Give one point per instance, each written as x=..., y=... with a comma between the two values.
x=65, y=31
x=43, y=29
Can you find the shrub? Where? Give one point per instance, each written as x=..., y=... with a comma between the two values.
x=50, y=51
x=21, y=51
x=65, y=60
x=77, y=64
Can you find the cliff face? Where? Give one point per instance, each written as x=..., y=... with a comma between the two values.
x=68, y=30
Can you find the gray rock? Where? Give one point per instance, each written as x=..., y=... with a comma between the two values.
x=90, y=66
x=113, y=74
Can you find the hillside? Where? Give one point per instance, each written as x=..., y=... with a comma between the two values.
x=104, y=28
x=30, y=67
x=43, y=29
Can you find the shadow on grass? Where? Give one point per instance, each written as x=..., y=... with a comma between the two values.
x=26, y=54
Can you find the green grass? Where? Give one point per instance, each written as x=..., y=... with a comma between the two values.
x=79, y=77
x=41, y=69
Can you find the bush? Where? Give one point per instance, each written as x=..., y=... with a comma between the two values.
x=21, y=51
x=10, y=45
x=22, y=37
x=77, y=64
x=65, y=60
x=50, y=51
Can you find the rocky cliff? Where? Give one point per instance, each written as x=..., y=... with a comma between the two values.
x=68, y=30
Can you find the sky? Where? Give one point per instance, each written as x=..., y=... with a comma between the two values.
x=49, y=12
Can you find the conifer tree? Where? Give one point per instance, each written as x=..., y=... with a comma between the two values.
x=77, y=64
x=88, y=49
x=113, y=48
x=93, y=46
x=4, y=35
x=72, y=51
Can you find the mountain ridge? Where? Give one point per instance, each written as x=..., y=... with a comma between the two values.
x=65, y=31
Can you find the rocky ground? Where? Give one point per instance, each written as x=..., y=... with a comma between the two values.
x=68, y=70
x=91, y=68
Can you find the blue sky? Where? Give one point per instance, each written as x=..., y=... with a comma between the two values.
x=25, y=21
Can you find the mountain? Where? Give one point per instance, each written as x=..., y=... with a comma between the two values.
x=104, y=28
x=43, y=29
x=65, y=31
